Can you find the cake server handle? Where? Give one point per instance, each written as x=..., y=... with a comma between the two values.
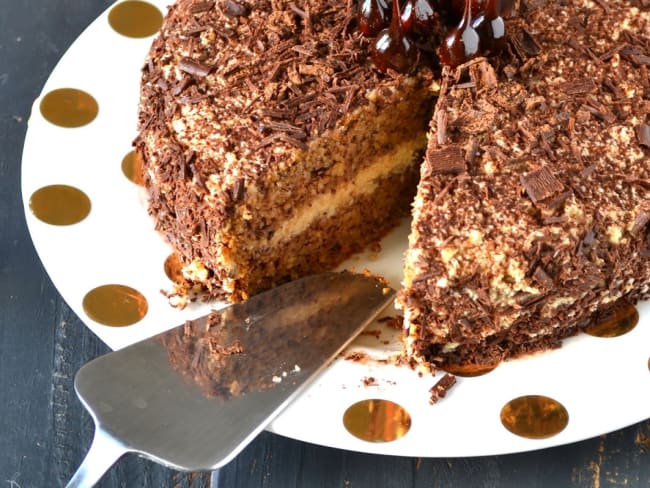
x=103, y=453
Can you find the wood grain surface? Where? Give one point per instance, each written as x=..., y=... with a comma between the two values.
x=45, y=432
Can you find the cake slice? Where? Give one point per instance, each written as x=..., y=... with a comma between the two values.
x=271, y=146
x=533, y=206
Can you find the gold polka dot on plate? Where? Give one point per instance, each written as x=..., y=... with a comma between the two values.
x=534, y=416
x=174, y=268
x=59, y=205
x=469, y=370
x=115, y=305
x=69, y=107
x=132, y=167
x=619, y=320
x=377, y=420
x=134, y=18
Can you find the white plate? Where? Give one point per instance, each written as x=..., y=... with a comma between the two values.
x=603, y=383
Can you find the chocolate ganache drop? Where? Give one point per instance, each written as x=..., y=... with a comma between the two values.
x=419, y=17
x=480, y=30
x=463, y=43
x=374, y=16
x=491, y=27
x=455, y=9
x=393, y=49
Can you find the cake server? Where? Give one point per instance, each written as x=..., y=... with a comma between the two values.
x=193, y=397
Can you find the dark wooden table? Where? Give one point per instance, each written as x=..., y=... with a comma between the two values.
x=44, y=431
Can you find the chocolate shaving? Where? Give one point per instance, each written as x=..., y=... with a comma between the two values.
x=197, y=8
x=292, y=141
x=643, y=183
x=472, y=152
x=640, y=59
x=525, y=45
x=448, y=160
x=599, y=110
x=542, y=277
x=603, y=5
x=235, y=9
x=607, y=55
x=541, y=184
x=440, y=389
x=238, y=190
x=586, y=241
x=441, y=121
x=579, y=86
x=180, y=86
x=194, y=68
x=643, y=134
x=640, y=222
x=296, y=132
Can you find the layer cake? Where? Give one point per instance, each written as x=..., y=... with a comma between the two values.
x=273, y=148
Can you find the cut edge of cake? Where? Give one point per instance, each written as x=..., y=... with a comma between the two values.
x=533, y=206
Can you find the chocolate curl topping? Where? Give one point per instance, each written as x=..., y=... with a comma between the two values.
x=448, y=160
x=643, y=134
x=541, y=184
x=194, y=68
x=200, y=7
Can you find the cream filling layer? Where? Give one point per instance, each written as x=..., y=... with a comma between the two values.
x=365, y=182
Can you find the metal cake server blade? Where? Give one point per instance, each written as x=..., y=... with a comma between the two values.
x=193, y=397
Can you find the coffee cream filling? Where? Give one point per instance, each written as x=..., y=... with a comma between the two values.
x=322, y=206
x=328, y=204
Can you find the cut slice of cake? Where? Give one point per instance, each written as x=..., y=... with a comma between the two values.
x=533, y=207
x=271, y=146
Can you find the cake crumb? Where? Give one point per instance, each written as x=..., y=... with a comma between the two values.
x=375, y=247
x=440, y=389
x=356, y=356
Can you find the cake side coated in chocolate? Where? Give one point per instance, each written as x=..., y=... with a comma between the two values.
x=534, y=201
